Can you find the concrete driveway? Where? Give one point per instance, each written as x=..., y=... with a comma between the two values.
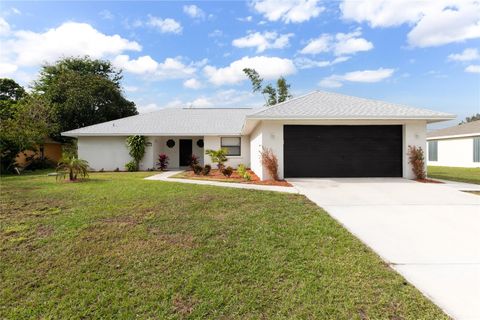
x=429, y=233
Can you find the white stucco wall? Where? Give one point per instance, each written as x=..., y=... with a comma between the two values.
x=160, y=146
x=214, y=143
x=455, y=152
x=255, y=148
x=107, y=153
x=270, y=134
x=414, y=134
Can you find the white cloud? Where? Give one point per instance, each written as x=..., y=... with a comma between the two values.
x=174, y=68
x=194, y=12
x=365, y=76
x=268, y=68
x=473, y=68
x=294, y=11
x=27, y=48
x=246, y=19
x=131, y=88
x=167, y=25
x=147, y=108
x=330, y=82
x=216, y=33
x=201, y=103
x=222, y=98
x=318, y=45
x=192, y=83
x=170, y=68
x=348, y=43
x=468, y=54
x=7, y=69
x=306, y=63
x=263, y=41
x=141, y=65
x=106, y=14
x=434, y=23
x=4, y=27
x=340, y=44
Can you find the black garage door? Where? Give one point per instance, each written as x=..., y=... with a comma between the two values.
x=342, y=151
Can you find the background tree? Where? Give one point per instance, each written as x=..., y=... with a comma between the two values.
x=32, y=121
x=83, y=92
x=10, y=93
x=474, y=117
x=272, y=95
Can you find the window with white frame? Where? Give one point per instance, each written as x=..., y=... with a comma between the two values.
x=432, y=150
x=232, y=144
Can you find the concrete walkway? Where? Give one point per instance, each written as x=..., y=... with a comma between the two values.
x=461, y=186
x=165, y=176
x=429, y=233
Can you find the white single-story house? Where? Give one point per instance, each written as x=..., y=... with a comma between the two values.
x=320, y=134
x=457, y=146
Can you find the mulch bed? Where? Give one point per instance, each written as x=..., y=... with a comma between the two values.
x=216, y=175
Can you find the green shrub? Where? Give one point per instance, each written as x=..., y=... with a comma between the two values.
x=241, y=170
x=72, y=166
x=197, y=169
x=227, y=172
x=131, y=166
x=136, y=149
x=206, y=169
x=218, y=156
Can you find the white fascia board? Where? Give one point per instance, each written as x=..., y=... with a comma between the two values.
x=466, y=135
x=442, y=118
x=149, y=134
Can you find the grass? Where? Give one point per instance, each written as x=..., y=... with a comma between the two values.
x=470, y=175
x=122, y=247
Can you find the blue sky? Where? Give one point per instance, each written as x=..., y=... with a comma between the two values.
x=191, y=53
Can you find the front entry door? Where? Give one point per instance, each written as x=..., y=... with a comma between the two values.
x=185, y=152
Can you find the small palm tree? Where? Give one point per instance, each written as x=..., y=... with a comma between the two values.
x=73, y=166
x=218, y=156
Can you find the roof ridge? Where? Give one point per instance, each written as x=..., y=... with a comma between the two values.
x=281, y=103
x=380, y=101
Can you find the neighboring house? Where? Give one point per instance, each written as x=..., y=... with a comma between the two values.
x=320, y=134
x=457, y=146
x=50, y=149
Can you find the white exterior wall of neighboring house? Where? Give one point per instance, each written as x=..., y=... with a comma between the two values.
x=214, y=143
x=454, y=152
x=269, y=133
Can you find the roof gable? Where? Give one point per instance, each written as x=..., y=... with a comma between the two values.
x=330, y=105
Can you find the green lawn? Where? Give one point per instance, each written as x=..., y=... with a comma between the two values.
x=121, y=247
x=471, y=175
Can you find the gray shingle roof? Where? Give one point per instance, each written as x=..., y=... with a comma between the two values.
x=174, y=121
x=329, y=105
x=229, y=121
x=467, y=129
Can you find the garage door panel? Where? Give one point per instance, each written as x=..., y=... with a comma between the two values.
x=342, y=151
